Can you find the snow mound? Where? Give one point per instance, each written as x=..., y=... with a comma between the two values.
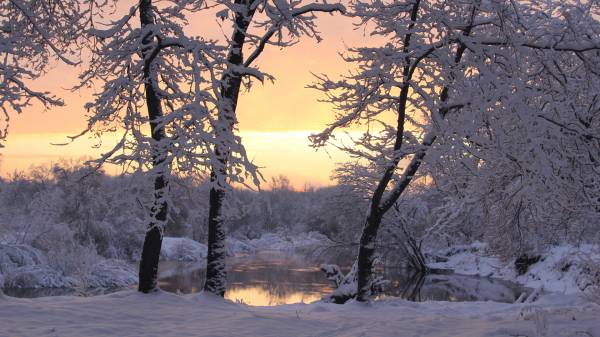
x=37, y=276
x=111, y=274
x=14, y=257
x=473, y=259
x=239, y=247
x=182, y=249
x=564, y=268
x=22, y=266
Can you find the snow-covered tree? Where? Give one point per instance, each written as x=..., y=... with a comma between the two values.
x=33, y=35
x=184, y=89
x=255, y=25
x=155, y=93
x=533, y=162
x=455, y=79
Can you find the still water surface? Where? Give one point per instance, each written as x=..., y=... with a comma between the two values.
x=264, y=279
x=274, y=278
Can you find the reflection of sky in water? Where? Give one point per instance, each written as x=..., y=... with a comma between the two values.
x=274, y=278
x=260, y=296
x=263, y=280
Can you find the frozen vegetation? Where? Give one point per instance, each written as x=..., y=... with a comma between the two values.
x=89, y=247
x=22, y=266
x=182, y=249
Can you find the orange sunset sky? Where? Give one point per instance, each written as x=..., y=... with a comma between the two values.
x=274, y=119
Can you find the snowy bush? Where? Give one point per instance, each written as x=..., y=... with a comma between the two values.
x=237, y=247
x=111, y=274
x=182, y=249
x=14, y=256
x=38, y=276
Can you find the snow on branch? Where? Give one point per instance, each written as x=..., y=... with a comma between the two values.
x=33, y=35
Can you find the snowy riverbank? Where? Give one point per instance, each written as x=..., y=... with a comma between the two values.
x=563, y=269
x=128, y=313
x=22, y=266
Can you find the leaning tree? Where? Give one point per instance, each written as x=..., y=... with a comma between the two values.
x=443, y=70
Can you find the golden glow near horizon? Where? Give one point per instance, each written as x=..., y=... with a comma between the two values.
x=275, y=119
x=277, y=152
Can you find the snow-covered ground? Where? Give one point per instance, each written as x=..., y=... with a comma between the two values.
x=128, y=313
x=564, y=269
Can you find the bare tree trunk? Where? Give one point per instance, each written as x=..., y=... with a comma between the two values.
x=216, y=275
x=153, y=240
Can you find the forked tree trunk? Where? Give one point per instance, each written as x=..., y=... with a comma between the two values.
x=216, y=275
x=153, y=239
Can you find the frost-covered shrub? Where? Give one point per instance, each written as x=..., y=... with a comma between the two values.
x=75, y=218
x=74, y=260
x=14, y=256
x=110, y=274
x=182, y=249
x=38, y=276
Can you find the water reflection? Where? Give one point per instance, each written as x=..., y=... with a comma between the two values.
x=274, y=278
x=264, y=279
x=450, y=287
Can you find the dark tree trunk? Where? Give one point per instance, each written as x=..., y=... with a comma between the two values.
x=366, y=249
x=216, y=276
x=366, y=255
x=153, y=240
x=379, y=205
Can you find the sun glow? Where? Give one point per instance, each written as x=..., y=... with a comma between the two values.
x=275, y=119
x=278, y=153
